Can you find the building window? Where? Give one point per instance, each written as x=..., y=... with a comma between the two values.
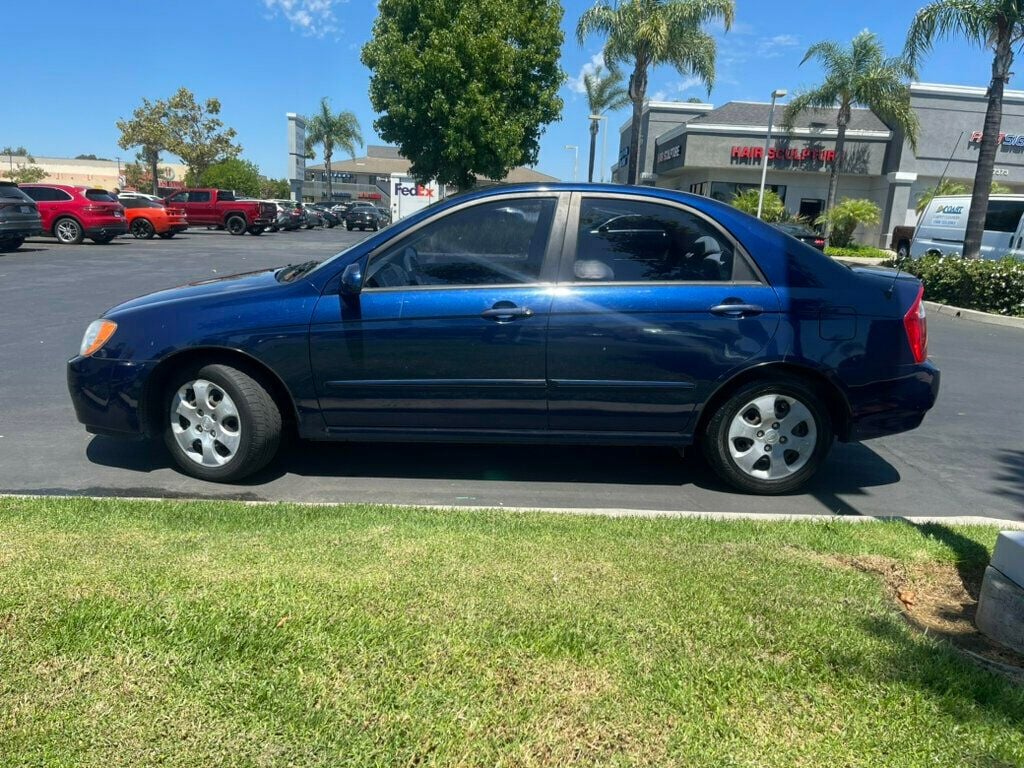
x=699, y=189
x=725, y=191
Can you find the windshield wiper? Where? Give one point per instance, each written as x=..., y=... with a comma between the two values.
x=293, y=271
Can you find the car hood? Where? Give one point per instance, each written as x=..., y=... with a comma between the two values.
x=216, y=287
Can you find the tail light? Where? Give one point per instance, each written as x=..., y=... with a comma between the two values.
x=916, y=325
x=819, y=242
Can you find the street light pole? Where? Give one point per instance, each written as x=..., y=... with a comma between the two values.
x=778, y=93
x=575, y=159
x=604, y=139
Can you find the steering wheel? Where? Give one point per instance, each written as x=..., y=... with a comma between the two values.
x=411, y=264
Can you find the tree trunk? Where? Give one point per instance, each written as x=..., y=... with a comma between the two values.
x=833, y=178
x=989, y=146
x=593, y=148
x=327, y=165
x=154, y=158
x=637, y=93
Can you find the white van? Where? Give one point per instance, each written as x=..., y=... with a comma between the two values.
x=942, y=225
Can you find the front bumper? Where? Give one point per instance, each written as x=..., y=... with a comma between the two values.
x=108, y=395
x=895, y=405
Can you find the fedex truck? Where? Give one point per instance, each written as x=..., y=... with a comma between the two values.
x=407, y=196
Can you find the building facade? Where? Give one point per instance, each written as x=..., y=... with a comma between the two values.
x=104, y=174
x=718, y=152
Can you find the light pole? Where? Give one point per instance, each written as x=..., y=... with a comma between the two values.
x=604, y=139
x=778, y=93
x=575, y=159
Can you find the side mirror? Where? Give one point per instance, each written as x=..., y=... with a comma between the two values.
x=352, y=279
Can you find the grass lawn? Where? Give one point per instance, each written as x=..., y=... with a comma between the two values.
x=203, y=634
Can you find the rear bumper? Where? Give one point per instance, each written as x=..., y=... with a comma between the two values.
x=895, y=405
x=112, y=229
x=108, y=395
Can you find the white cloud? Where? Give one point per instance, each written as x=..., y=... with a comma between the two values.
x=310, y=17
x=774, y=47
x=576, y=83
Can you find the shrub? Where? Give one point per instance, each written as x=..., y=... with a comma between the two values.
x=983, y=284
x=772, y=211
x=844, y=217
x=857, y=252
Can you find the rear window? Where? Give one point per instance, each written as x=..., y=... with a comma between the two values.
x=11, y=192
x=100, y=196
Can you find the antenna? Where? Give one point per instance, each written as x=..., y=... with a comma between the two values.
x=942, y=178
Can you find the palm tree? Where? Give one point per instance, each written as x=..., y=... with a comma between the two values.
x=647, y=33
x=859, y=75
x=604, y=92
x=994, y=24
x=333, y=130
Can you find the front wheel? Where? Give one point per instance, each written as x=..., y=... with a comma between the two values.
x=236, y=225
x=769, y=437
x=221, y=423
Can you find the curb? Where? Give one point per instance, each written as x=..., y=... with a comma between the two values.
x=614, y=512
x=975, y=315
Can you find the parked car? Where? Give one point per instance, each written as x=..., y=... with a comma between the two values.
x=942, y=225
x=19, y=217
x=147, y=218
x=558, y=313
x=220, y=208
x=385, y=215
x=311, y=217
x=803, y=233
x=330, y=220
x=362, y=217
x=72, y=213
x=136, y=195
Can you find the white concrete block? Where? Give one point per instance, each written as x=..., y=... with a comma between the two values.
x=1008, y=557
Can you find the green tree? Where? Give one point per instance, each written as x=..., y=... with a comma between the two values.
x=604, y=93
x=331, y=130
x=274, y=189
x=948, y=187
x=844, y=217
x=19, y=150
x=648, y=33
x=465, y=87
x=197, y=135
x=994, y=24
x=774, y=209
x=25, y=173
x=91, y=157
x=239, y=175
x=857, y=75
x=148, y=130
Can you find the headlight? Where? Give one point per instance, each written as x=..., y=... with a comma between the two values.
x=96, y=335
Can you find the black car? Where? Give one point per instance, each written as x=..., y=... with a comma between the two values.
x=803, y=233
x=362, y=216
x=19, y=217
x=385, y=216
x=330, y=218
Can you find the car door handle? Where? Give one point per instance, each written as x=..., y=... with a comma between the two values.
x=507, y=313
x=736, y=310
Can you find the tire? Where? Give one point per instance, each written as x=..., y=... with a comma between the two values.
x=167, y=235
x=240, y=440
x=903, y=250
x=68, y=231
x=273, y=228
x=102, y=240
x=141, y=229
x=255, y=231
x=236, y=225
x=348, y=226
x=6, y=246
x=779, y=459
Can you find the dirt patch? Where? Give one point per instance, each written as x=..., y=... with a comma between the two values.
x=940, y=600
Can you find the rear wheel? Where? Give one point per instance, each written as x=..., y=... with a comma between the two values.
x=903, y=250
x=6, y=246
x=221, y=423
x=769, y=437
x=236, y=225
x=142, y=229
x=68, y=231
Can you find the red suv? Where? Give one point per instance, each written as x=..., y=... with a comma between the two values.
x=73, y=213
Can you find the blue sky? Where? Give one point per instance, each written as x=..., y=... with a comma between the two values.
x=263, y=58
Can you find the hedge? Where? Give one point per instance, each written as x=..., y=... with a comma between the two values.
x=857, y=252
x=983, y=284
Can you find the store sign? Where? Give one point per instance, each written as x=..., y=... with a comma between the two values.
x=668, y=154
x=412, y=190
x=1006, y=139
x=807, y=154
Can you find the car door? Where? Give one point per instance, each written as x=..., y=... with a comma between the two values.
x=655, y=304
x=448, y=331
x=51, y=202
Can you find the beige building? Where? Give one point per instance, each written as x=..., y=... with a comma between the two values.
x=105, y=174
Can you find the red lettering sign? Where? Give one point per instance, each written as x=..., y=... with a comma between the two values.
x=784, y=155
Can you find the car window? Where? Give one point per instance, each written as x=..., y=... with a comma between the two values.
x=1004, y=215
x=46, y=194
x=494, y=243
x=222, y=194
x=180, y=197
x=130, y=202
x=99, y=196
x=633, y=241
x=199, y=197
x=11, y=192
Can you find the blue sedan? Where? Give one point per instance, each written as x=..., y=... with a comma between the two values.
x=559, y=314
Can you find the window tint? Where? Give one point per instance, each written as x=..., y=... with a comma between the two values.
x=46, y=194
x=1003, y=215
x=100, y=196
x=130, y=202
x=633, y=241
x=11, y=192
x=222, y=194
x=199, y=197
x=497, y=243
x=180, y=197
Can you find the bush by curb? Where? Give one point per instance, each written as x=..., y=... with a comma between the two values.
x=980, y=284
x=857, y=252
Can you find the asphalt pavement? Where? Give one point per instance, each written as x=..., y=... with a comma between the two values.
x=967, y=458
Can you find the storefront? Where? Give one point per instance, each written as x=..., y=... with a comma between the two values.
x=719, y=152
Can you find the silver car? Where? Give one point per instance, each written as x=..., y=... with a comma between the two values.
x=19, y=217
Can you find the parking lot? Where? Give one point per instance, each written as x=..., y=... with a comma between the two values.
x=967, y=458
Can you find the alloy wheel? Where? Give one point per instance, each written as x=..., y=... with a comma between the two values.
x=772, y=437
x=205, y=423
x=68, y=231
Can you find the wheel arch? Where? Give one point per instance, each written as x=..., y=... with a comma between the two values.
x=156, y=382
x=835, y=399
x=229, y=214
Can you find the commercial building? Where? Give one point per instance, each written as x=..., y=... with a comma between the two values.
x=718, y=152
x=105, y=174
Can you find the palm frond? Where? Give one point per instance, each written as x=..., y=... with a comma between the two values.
x=971, y=19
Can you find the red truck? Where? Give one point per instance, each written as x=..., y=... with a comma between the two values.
x=220, y=208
